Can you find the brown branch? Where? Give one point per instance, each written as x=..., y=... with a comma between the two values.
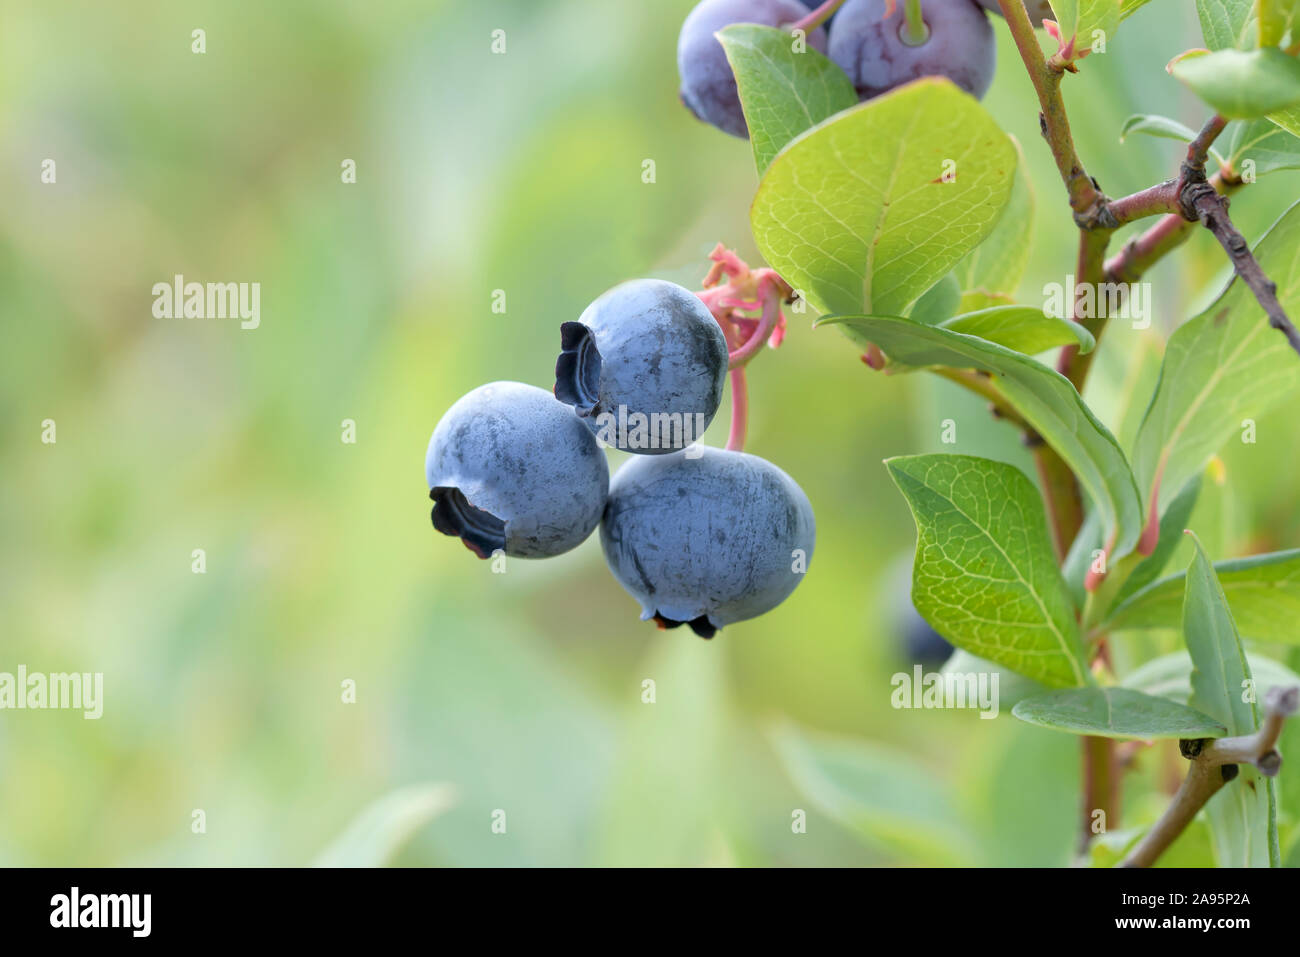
x=1213, y=765
x=1211, y=209
x=982, y=385
x=1200, y=202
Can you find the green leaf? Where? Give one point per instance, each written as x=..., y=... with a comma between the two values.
x=1116, y=713
x=1170, y=676
x=884, y=797
x=1153, y=125
x=938, y=303
x=985, y=576
x=1263, y=592
x=1276, y=17
x=1045, y=398
x=855, y=213
x=1225, y=24
x=992, y=270
x=1265, y=144
x=1288, y=119
x=1160, y=126
x=1129, y=7
x=1243, y=815
x=1220, y=367
x=380, y=831
x=1242, y=84
x=782, y=92
x=1079, y=19
x=1022, y=328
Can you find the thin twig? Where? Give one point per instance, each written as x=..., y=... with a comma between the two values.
x=1211, y=209
x=1200, y=202
x=1085, y=197
x=1213, y=765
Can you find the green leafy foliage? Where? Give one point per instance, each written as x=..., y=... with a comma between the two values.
x=1116, y=713
x=379, y=832
x=885, y=798
x=1243, y=814
x=1080, y=19
x=1129, y=7
x=1220, y=367
x=1276, y=17
x=1153, y=125
x=1288, y=119
x=1243, y=84
x=984, y=575
x=856, y=213
x=990, y=273
x=1265, y=144
x=782, y=92
x=1163, y=127
x=1022, y=328
x=1226, y=24
x=1263, y=592
x=1044, y=397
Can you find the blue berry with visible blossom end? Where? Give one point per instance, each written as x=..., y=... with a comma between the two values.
x=510, y=469
x=708, y=83
x=706, y=537
x=870, y=47
x=644, y=367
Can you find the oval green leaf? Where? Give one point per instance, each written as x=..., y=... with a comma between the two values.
x=1116, y=713
x=1241, y=84
x=782, y=91
x=985, y=576
x=857, y=214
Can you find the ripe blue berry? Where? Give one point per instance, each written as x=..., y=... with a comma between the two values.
x=708, y=85
x=870, y=47
x=511, y=468
x=706, y=541
x=644, y=367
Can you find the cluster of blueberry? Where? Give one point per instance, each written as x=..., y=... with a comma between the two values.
x=868, y=39
x=699, y=536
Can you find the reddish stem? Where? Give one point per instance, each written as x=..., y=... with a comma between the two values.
x=739, y=410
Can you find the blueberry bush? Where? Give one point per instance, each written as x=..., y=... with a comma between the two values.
x=892, y=207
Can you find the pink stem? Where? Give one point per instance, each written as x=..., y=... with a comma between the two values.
x=771, y=312
x=739, y=410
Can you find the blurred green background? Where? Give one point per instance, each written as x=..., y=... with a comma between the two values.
x=475, y=172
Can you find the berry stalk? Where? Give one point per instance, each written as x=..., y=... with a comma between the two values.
x=914, y=31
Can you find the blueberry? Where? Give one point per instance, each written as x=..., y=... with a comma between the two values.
x=1039, y=10
x=644, y=367
x=706, y=541
x=511, y=468
x=708, y=85
x=870, y=48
